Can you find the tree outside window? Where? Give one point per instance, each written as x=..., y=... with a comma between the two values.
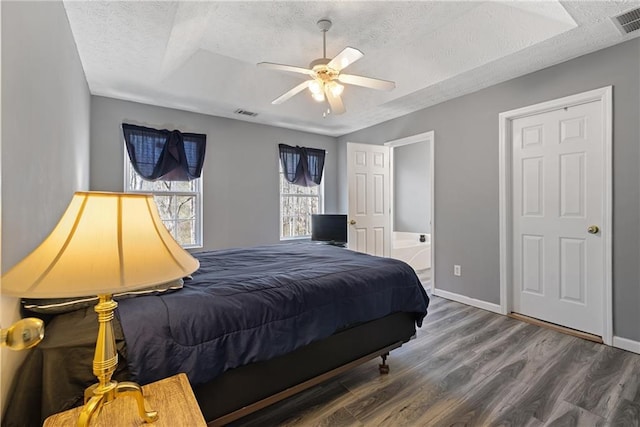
x=297, y=203
x=179, y=204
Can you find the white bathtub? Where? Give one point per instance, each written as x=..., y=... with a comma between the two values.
x=407, y=247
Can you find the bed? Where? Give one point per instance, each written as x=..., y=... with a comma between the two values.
x=253, y=326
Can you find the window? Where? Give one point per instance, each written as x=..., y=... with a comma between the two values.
x=179, y=204
x=296, y=206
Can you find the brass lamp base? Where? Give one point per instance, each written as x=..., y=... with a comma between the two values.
x=94, y=404
x=105, y=361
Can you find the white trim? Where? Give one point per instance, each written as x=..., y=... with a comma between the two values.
x=424, y=136
x=489, y=306
x=603, y=95
x=607, y=312
x=432, y=154
x=626, y=344
x=430, y=138
x=392, y=195
x=504, y=188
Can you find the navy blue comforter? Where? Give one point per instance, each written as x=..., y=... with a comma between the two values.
x=247, y=305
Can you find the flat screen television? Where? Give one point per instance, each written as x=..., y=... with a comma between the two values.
x=329, y=228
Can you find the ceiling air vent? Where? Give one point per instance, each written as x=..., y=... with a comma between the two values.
x=245, y=112
x=628, y=22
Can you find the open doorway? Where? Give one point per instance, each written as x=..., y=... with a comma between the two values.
x=411, y=190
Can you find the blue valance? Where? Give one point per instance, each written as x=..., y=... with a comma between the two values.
x=302, y=166
x=163, y=155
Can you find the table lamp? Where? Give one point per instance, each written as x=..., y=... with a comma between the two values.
x=105, y=243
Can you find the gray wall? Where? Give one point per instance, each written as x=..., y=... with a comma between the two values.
x=412, y=188
x=45, y=135
x=466, y=172
x=240, y=175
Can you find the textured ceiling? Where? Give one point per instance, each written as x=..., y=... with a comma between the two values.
x=201, y=56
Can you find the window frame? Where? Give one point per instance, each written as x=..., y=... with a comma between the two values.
x=320, y=197
x=128, y=169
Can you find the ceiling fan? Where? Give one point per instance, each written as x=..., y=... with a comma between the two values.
x=326, y=75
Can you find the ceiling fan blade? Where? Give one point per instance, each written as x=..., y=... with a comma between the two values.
x=366, y=82
x=289, y=68
x=335, y=102
x=348, y=56
x=302, y=86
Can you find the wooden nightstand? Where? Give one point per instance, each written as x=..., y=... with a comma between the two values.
x=171, y=397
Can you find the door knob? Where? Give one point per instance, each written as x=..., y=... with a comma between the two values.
x=352, y=222
x=593, y=229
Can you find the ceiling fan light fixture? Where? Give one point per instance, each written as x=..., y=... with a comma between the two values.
x=319, y=96
x=325, y=73
x=336, y=89
x=315, y=86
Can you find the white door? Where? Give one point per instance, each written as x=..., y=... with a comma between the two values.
x=558, y=187
x=369, y=215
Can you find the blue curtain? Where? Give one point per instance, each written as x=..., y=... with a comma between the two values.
x=163, y=155
x=302, y=166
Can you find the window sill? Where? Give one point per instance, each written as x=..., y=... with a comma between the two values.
x=301, y=238
x=190, y=247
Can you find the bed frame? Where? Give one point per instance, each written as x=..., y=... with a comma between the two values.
x=242, y=391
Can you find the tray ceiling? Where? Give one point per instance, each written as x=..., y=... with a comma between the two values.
x=201, y=56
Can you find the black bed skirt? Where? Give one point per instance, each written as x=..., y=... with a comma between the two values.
x=242, y=386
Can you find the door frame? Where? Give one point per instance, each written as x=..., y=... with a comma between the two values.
x=430, y=138
x=603, y=95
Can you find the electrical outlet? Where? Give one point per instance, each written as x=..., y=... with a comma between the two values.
x=456, y=270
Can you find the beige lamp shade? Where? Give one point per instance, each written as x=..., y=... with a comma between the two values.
x=104, y=243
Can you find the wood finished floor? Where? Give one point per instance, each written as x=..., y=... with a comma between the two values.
x=470, y=367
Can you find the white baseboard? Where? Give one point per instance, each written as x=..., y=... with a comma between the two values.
x=467, y=300
x=618, y=342
x=627, y=344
